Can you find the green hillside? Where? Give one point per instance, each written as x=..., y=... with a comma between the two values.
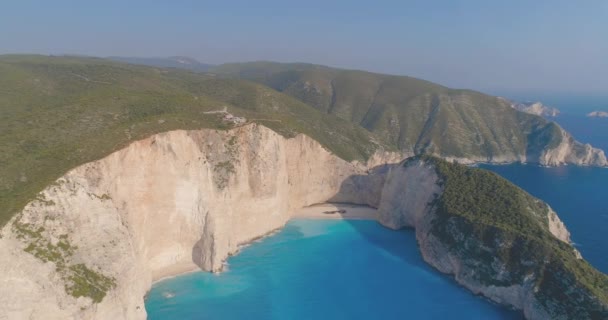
x=59, y=112
x=412, y=114
x=502, y=233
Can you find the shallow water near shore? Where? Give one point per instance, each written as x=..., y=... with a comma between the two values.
x=323, y=269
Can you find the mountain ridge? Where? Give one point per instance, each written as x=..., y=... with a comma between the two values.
x=60, y=111
x=418, y=116
x=178, y=62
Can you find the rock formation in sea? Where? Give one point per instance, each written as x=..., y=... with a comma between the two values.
x=598, y=114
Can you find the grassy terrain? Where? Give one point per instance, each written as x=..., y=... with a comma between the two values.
x=488, y=221
x=412, y=114
x=59, y=112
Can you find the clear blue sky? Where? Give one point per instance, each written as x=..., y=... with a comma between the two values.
x=495, y=46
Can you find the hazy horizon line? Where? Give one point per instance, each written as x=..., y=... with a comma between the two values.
x=509, y=93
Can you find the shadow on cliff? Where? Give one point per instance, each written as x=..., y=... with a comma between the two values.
x=366, y=190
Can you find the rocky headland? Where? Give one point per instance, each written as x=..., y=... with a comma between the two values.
x=598, y=114
x=536, y=108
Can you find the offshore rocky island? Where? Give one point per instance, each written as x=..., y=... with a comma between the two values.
x=116, y=175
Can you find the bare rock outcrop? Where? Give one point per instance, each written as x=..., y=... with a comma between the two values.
x=164, y=204
x=570, y=151
x=597, y=114
x=536, y=108
x=91, y=244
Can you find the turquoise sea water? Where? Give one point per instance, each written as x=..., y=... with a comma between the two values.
x=323, y=269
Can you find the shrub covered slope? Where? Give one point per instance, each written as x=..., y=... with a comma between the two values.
x=502, y=233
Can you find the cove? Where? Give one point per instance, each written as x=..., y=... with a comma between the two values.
x=323, y=269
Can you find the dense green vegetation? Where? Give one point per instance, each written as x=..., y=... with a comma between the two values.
x=412, y=114
x=59, y=112
x=84, y=282
x=489, y=221
x=483, y=196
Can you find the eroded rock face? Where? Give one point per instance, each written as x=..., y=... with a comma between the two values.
x=567, y=151
x=570, y=151
x=170, y=202
x=186, y=199
x=537, y=108
x=501, y=265
x=407, y=194
x=598, y=114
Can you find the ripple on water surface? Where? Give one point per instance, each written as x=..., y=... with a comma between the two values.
x=323, y=269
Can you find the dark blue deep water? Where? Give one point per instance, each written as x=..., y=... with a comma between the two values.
x=579, y=195
x=322, y=269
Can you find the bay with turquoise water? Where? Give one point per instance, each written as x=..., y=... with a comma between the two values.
x=324, y=269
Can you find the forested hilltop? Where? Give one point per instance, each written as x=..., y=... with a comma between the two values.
x=59, y=112
x=495, y=238
x=419, y=116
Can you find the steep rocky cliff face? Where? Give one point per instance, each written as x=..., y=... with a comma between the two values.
x=550, y=146
x=93, y=242
x=517, y=255
x=570, y=151
x=536, y=108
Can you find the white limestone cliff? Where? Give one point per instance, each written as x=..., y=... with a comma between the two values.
x=570, y=151
x=185, y=199
x=536, y=108
x=160, y=206
x=567, y=151
x=597, y=114
x=557, y=227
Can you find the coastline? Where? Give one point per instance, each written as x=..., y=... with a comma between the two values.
x=340, y=211
x=174, y=271
x=316, y=211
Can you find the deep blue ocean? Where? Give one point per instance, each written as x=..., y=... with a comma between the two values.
x=579, y=195
x=359, y=270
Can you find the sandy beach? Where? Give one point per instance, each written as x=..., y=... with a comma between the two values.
x=336, y=211
x=175, y=270
x=317, y=211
